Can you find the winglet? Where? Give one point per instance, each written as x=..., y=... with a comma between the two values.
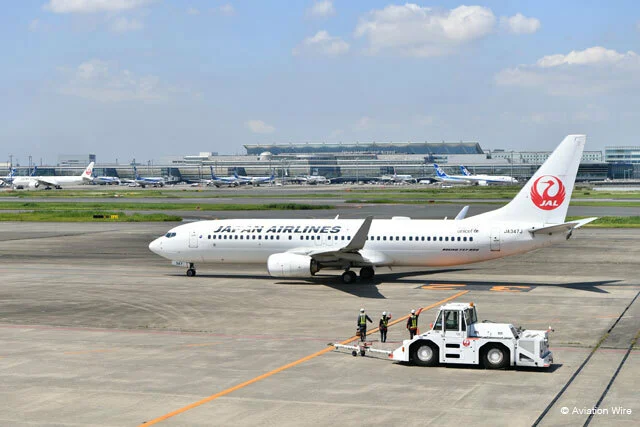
x=462, y=213
x=360, y=238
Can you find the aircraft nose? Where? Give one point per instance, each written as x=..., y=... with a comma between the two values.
x=156, y=246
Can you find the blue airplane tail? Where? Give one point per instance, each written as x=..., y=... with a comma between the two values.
x=135, y=172
x=213, y=175
x=33, y=172
x=439, y=172
x=464, y=171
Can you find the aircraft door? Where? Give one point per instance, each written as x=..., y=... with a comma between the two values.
x=193, y=239
x=495, y=239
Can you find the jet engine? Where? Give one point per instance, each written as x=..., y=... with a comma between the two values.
x=33, y=184
x=291, y=265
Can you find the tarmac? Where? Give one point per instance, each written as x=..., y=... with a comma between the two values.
x=97, y=330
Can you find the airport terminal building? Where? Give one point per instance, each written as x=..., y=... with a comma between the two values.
x=361, y=162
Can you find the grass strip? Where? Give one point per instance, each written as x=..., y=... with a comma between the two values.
x=85, y=216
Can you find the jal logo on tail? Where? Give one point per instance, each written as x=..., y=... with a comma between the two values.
x=548, y=192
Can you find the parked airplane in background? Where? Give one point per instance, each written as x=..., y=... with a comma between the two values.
x=52, y=181
x=219, y=181
x=487, y=179
x=7, y=180
x=106, y=180
x=450, y=179
x=310, y=179
x=535, y=218
x=254, y=180
x=398, y=179
x=144, y=181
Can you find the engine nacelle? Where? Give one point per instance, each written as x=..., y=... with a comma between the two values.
x=483, y=183
x=34, y=184
x=291, y=265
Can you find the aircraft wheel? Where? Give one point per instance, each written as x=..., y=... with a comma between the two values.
x=367, y=273
x=348, y=277
x=191, y=272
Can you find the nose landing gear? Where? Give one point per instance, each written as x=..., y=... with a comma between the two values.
x=192, y=270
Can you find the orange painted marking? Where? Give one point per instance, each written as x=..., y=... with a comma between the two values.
x=282, y=368
x=509, y=288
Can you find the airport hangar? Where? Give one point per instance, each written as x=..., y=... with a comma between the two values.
x=349, y=162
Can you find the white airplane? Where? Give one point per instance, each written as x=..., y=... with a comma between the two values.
x=487, y=179
x=156, y=181
x=254, y=180
x=47, y=182
x=106, y=180
x=395, y=178
x=219, y=181
x=450, y=179
x=535, y=218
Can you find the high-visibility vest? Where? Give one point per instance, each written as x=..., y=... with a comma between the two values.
x=414, y=321
x=363, y=319
x=385, y=321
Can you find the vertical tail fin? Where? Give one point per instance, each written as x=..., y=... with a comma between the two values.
x=213, y=175
x=545, y=198
x=440, y=172
x=88, y=172
x=464, y=171
x=135, y=172
x=33, y=172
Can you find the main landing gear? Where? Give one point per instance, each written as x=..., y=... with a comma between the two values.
x=192, y=270
x=366, y=273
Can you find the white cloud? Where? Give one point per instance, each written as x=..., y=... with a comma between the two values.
x=590, y=71
x=93, y=6
x=193, y=11
x=123, y=25
x=413, y=30
x=322, y=43
x=592, y=55
x=101, y=81
x=322, y=9
x=520, y=24
x=258, y=126
x=226, y=9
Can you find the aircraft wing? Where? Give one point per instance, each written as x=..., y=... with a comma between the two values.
x=45, y=181
x=352, y=252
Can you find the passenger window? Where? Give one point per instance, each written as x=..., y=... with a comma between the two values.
x=471, y=239
x=397, y=238
x=404, y=238
x=278, y=237
x=458, y=238
x=446, y=239
x=209, y=237
x=464, y=239
x=290, y=237
x=410, y=238
x=384, y=238
x=428, y=238
x=440, y=238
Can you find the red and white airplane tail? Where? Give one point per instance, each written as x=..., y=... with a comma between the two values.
x=545, y=198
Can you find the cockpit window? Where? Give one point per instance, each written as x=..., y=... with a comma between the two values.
x=170, y=235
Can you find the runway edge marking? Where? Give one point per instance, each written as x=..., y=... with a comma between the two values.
x=282, y=368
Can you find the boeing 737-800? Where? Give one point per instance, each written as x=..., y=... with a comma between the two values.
x=47, y=182
x=535, y=218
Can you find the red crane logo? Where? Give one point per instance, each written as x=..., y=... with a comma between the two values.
x=552, y=195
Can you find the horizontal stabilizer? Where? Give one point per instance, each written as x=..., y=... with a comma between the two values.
x=560, y=228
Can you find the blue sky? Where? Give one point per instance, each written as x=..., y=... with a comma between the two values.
x=145, y=79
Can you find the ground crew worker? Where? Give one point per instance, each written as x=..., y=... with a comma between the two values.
x=412, y=323
x=362, y=324
x=383, y=325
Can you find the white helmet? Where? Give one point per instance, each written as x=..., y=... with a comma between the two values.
x=384, y=313
x=362, y=310
x=413, y=311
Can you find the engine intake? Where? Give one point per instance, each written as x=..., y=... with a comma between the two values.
x=291, y=265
